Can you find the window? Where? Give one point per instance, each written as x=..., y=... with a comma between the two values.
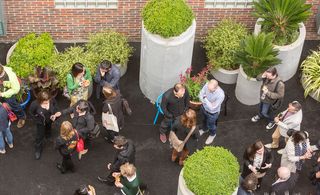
x=2, y=19
x=111, y=4
x=228, y=3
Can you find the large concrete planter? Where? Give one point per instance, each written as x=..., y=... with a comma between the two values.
x=123, y=68
x=289, y=54
x=162, y=60
x=312, y=95
x=225, y=76
x=247, y=89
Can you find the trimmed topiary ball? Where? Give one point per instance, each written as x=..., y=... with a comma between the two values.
x=167, y=18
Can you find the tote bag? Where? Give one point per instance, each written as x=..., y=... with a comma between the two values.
x=176, y=143
x=109, y=120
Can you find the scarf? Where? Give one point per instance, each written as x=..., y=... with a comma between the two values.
x=299, y=151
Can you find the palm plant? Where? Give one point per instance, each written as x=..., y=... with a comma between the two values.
x=311, y=75
x=282, y=17
x=257, y=54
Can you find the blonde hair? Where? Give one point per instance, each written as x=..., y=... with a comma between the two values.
x=127, y=170
x=66, y=130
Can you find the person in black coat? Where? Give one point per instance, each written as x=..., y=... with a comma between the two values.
x=257, y=159
x=125, y=153
x=182, y=127
x=41, y=111
x=82, y=119
x=174, y=103
x=285, y=183
x=113, y=98
x=66, y=144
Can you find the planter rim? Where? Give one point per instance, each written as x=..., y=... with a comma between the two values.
x=225, y=71
x=241, y=71
x=172, y=41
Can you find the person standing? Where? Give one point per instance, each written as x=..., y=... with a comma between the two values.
x=211, y=96
x=107, y=75
x=9, y=88
x=66, y=143
x=289, y=119
x=285, y=183
x=5, y=131
x=79, y=83
x=272, y=90
x=175, y=101
x=41, y=111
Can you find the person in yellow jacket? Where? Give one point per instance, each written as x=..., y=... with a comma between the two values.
x=9, y=88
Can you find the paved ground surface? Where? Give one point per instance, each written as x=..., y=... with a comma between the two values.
x=21, y=174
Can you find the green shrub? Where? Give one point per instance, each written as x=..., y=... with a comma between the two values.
x=222, y=43
x=282, y=17
x=64, y=61
x=311, y=74
x=213, y=170
x=32, y=51
x=109, y=45
x=257, y=54
x=167, y=18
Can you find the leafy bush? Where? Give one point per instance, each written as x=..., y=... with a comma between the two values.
x=167, y=18
x=213, y=169
x=222, y=43
x=109, y=45
x=257, y=54
x=64, y=61
x=32, y=51
x=282, y=17
x=311, y=74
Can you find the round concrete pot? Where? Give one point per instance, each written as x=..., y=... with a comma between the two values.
x=312, y=94
x=289, y=54
x=247, y=89
x=225, y=76
x=163, y=60
x=123, y=68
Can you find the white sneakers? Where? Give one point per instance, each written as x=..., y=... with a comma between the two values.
x=201, y=132
x=255, y=118
x=210, y=139
x=2, y=151
x=270, y=125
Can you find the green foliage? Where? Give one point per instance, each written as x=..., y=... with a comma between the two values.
x=222, y=43
x=64, y=61
x=213, y=170
x=32, y=51
x=257, y=54
x=282, y=17
x=167, y=18
x=109, y=45
x=311, y=74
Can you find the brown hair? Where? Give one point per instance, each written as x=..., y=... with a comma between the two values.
x=252, y=150
x=66, y=130
x=273, y=71
x=120, y=141
x=189, y=118
x=108, y=92
x=76, y=69
x=299, y=136
x=43, y=96
x=250, y=182
x=127, y=170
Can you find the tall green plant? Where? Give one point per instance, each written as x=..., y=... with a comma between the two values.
x=167, y=18
x=222, y=43
x=311, y=74
x=212, y=170
x=282, y=17
x=32, y=51
x=257, y=54
x=109, y=45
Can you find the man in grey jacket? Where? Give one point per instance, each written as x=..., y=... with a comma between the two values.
x=289, y=119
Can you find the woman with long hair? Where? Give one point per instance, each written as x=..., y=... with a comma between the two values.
x=257, y=160
x=66, y=144
x=182, y=127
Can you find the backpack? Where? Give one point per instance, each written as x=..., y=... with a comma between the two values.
x=278, y=102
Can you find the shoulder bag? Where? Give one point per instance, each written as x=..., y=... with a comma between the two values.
x=109, y=120
x=176, y=143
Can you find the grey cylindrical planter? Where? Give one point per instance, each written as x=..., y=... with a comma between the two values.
x=162, y=60
x=289, y=54
x=123, y=68
x=225, y=76
x=247, y=89
x=312, y=94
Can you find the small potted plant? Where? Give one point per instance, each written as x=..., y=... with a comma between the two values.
x=112, y=46
x=221, y=44
x=194, y=84
x=285, y=19
x=311, y=74
x=212, y=170
x=167, y=38
x=256, y=55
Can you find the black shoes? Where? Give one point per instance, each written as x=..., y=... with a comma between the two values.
x=105, y=180
x=37, y=155
x=60, y=168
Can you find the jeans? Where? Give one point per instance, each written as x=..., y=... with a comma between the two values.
x=265, y=111
x=209, y=121
x=5, y=134
x=16, y=107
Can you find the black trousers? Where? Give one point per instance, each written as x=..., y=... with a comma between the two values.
x=43, y=131
x=165, y=125
x=111, y=134
x=67, y=164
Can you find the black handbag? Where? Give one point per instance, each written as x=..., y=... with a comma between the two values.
x=95, y=131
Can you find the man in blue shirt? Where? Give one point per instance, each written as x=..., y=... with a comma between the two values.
x=211, y=96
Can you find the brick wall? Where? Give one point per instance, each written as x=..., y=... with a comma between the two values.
x=24, y=16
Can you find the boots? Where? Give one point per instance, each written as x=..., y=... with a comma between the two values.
x=183, y=156
x=174, y=155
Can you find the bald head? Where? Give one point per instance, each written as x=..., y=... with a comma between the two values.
x=212, y=85
x=283, y=173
